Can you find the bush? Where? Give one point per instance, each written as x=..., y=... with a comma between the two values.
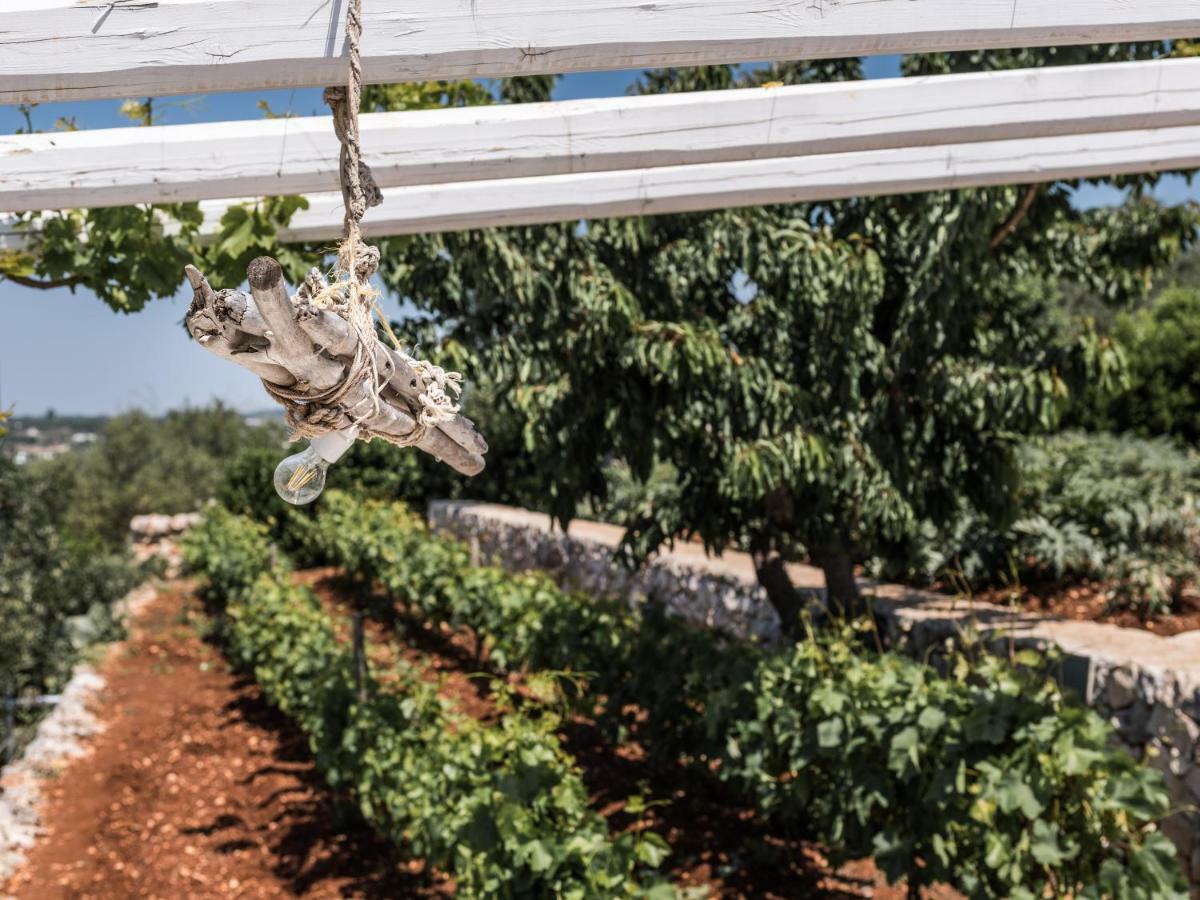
x=143, y=464
x=56, y=591
x=1162, y=346
x=991, y=780
x=500, y=805
x=1118, y=508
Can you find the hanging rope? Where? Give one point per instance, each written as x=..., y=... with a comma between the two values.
x=351, y=296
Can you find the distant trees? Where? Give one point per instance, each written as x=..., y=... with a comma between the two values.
x=64, y=527
x=144, y=464
x=56, y=590
x=1161, y=343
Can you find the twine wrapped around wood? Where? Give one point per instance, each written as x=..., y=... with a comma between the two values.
x=327, y=374
x=317, y=354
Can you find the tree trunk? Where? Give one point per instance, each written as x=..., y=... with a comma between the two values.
x=840, y=584
x=771, y=569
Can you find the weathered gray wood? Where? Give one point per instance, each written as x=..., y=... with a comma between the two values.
x=213, y=321
x=62, y=49
x=290, y=346
x=333, y=333
x=264, y=333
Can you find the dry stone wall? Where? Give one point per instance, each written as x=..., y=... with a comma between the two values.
x=1147, y=686
x=583, y=560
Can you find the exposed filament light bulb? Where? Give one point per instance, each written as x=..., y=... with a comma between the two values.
x=300, y=478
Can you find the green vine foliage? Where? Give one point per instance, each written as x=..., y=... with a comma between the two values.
x=130, y=255
x=499, y=805
x=990, y=780
x=1111, y=507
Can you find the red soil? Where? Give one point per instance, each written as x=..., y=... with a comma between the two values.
x=1089, y=602
x=196, y=788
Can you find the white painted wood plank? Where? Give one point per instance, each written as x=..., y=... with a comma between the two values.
x=64, y=49
x=554, y=198
x=299, y=156
x=676, y=189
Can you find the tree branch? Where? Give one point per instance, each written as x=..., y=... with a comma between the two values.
x=42, y=284
x=291, y=343
x=1016, y=218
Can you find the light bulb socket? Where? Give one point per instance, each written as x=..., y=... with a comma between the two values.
x=333, y=446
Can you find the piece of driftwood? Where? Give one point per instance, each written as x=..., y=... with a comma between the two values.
x=295, y=346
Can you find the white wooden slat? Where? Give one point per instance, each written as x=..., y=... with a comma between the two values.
x=89, y=49
x=555, y=198
x=236, y=159
x=676, y=189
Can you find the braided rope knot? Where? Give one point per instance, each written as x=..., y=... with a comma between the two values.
x=350, y=295
x=436, y=405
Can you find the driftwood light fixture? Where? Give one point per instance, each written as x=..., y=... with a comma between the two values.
x=315, y=364
x=317, y=352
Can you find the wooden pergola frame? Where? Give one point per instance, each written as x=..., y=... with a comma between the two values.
x=463, y=168
x=63, y=49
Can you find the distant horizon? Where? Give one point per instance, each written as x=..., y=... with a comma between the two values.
x=52, y=413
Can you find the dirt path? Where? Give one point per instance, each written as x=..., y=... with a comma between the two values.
x=196, y=788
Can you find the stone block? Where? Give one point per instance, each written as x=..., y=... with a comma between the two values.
x=1192, y=780
x=1174, y=728
x=1179, y=831
x=1132, y=723
x=1077, y=674
x=1122, y=688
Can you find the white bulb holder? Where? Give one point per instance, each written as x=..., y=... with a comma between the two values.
x=333, y=446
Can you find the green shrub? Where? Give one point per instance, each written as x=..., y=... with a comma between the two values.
x=1088, y=505
x=500, y=805
x=56, y=591
x=1162, y=346
x=143, y=464
x=991, y=780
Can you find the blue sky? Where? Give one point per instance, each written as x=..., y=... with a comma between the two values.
x=68, y=352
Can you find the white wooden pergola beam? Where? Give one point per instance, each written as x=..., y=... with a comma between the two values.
x=90, y=49
x=673, y=189
x=300, y=156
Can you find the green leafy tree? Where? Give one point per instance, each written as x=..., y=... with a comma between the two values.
x=143, y=464
x=825, y=378
x=1162, y=395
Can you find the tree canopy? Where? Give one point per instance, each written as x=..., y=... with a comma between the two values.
x=827, y=379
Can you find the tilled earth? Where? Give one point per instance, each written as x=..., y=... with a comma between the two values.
x=197, y=788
